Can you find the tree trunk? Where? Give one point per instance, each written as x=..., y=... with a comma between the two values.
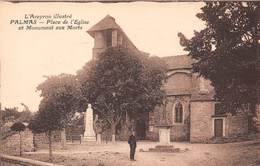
x=34, y=143
x=127, y=118
x=128, y=125
x=113, y=130
x=50, y=146
x=257, y=110
x=20, y=143
x=63, y=138
x=256, y=38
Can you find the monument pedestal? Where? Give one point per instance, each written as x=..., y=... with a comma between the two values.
x=89, y=134
x=164, y=140
x=164, y=135
x=89, y=139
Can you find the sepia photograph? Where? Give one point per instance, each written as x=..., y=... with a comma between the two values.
x=129, y=83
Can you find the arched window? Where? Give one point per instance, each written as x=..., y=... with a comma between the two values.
x=178, y=113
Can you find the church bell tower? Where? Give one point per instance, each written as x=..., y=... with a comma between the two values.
x=107, y=33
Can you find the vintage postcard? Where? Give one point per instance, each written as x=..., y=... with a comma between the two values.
x=129, y=83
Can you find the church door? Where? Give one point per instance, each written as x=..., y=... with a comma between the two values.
x=140, y=129
x=218, y=127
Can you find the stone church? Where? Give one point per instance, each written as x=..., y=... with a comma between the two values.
x=190, y=112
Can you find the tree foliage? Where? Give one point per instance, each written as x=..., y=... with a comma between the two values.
x=58, y=105
x=18, y=127
x=226, y=51
x=23, y=116
x=121, y=81
x=10, y=112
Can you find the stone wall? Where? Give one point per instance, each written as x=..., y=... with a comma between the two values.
x=6, y=160
x=119, y=39
x=153, y=133
x=178, y=82
x=179, y=131
x=201, y=89
x=41, y=140
x=201, y=121
x=236, y=126
x=12, y=143
x=99, y=44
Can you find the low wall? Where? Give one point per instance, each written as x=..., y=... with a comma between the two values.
x=12, y=143
x=6, y=160
x=41, y=140
x=237, y=126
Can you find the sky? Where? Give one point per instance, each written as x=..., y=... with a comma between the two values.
x=27, y=56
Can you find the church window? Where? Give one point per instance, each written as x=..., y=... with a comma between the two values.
x=178, y=113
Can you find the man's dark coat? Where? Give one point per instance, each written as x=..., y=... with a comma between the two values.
x=132, y=143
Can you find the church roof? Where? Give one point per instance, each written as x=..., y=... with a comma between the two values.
x=107, y=22
x=178, y=62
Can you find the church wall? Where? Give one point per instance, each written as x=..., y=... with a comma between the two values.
x=118, y=40
x=153, y=133
x=201, y=121
x=154, y=119
x=99, y=44
x=178, y=82
x=114, y=38
x=236, y=126
x=99, y=41
x=179, y=131
x=201, y=88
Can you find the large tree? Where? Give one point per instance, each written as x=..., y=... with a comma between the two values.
x=121, y=81
x=64, y=90
x=57, y=107
x=226, y=51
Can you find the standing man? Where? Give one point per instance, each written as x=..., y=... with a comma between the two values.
x=132, y=143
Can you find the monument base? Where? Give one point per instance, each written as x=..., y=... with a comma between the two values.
x=164, y=134
x=164, y=140
x=164, y=148
x=89, y=139
x=99, y=141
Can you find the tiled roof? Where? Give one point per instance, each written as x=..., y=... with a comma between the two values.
x=106, y=23
x=178, y=62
